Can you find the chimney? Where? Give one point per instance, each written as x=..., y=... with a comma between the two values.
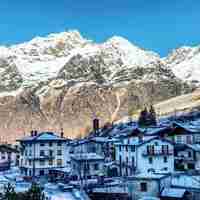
x=95, y=124
x=35, y=133
x=62, y=133
x=32, y=133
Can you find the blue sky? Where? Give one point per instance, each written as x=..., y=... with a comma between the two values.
x=158, y=25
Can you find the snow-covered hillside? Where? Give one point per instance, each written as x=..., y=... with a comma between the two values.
x=185, y=63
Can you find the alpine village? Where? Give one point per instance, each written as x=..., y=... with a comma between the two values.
x=147, y=159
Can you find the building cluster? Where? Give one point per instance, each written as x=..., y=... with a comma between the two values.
x=119, y=161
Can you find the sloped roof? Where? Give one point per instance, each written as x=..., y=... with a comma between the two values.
x=87, y=156
x=173, y=192
x=8, y=149
x=43, y=136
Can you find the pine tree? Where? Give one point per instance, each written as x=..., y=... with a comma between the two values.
x=9, y=193
x=35, y=193
x=152, y=116
x=143, y=118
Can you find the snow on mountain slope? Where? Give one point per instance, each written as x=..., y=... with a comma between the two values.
x=129, y=53
x=185, y=63
x=43, y=58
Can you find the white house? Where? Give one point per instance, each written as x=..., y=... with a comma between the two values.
x=8, y=157
x=42, y=152
x=144, y=154
x=87, y=165
x=147, y=185
x=184, y=134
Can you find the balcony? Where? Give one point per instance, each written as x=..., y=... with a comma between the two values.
x=43, y=157
x=158, y=152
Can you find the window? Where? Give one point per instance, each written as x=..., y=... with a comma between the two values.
x=127, y=148
x=132, y=148
x=50, y=144
x=165, y=149
x=189, y=139
x=42, y=144
x=150, y=149
x=41, y=152
x=42, y=162
x=50, y=153
x=189, y=154
x=59, y=152
x=86, y=167
x=120, y=159
x=127, y=160
x=179, y=139
x=30, y=153
x=143, y=187
x=26, y=152
x=197, y=138
x=59, y=144
x=126, y=171
x=120, y=148
x=3, y=157
x=59, y=162
x=133, y=161
x=165, y=159
x=150, y=160
x=30, y=163
x=156, y=143
x=50, y=162
x=96, y=166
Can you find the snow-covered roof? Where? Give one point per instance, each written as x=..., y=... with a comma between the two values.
x=186, y=181
x=188, y=127
x=195, y=147
x=173, y=192
x=144, y=140
x=150, y=176
x=87, y=156
x=104, y=139
x=43, y=136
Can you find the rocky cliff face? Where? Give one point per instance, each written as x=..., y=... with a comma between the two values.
x=64, y=80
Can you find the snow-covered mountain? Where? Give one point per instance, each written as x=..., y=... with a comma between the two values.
x=63, y=80
x=185, y=63
x=43, y=58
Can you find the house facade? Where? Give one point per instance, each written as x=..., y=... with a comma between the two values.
x=42, y=152
x=86, y=165
x=144, y=154
x=8, y=157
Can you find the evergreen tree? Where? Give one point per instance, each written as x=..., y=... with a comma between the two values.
x=9, y=193
x=152, y=116
x=143, y=118
x=35, y=193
